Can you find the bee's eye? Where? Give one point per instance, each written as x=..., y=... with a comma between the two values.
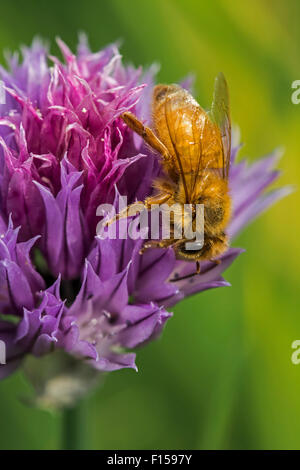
x=213, y=214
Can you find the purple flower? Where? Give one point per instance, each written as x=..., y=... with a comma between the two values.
x=65, y=150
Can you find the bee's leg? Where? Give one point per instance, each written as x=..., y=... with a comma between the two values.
x=155, y=244
x=160, y=198
x=147, y=134
x=129, y=210
x=165, y=243
x=198, y=270
x=136, y=207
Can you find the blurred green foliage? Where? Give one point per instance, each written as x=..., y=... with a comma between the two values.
x=221, y=376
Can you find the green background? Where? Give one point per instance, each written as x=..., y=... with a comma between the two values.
x=221, y=376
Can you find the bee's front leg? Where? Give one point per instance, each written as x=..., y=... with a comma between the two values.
x=147, y=134
x=127, y=212
x=155, y=244
x=137, y=207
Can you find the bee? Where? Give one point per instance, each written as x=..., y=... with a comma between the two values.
x=194, y=146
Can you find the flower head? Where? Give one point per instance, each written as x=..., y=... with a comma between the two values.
x=64, y=151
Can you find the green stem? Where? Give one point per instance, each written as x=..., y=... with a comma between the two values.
x=73, y=427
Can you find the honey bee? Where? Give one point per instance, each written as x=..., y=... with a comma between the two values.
x=194, y=146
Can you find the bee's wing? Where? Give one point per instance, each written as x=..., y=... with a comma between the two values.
x=192, y=139
x=220, y=115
